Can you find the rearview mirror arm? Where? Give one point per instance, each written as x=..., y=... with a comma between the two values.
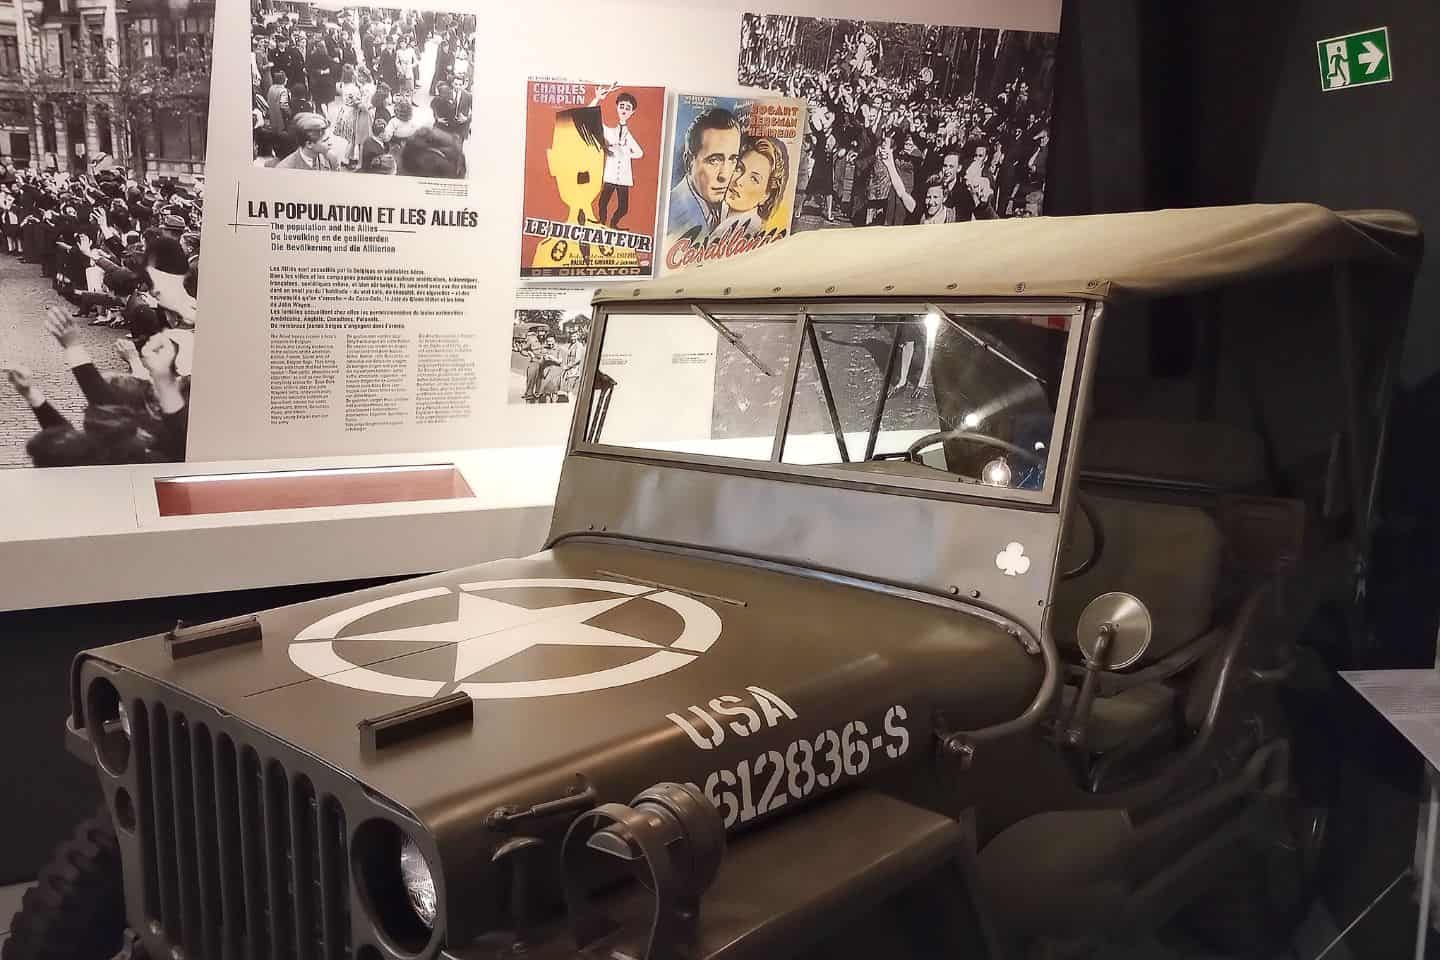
x=1094, y=667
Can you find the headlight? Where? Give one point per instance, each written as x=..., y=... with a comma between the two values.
x=397, y=884
x=419, y=884
x=109, y=725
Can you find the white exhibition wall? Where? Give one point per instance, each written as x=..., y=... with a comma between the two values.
x=684, y=45
x=89, y=534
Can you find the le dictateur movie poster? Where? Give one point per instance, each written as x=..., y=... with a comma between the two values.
x=592, y=173
x=732, y=176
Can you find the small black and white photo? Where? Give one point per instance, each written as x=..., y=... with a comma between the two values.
x=102, y=191
x=547, y=354
x=909, y=123
x=357, y=89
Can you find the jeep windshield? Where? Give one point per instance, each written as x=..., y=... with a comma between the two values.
x=929, y=395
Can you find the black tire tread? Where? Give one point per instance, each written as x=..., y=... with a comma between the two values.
x=76, y=910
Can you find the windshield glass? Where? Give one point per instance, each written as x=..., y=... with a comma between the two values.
x=686, y=385
x=933, y=395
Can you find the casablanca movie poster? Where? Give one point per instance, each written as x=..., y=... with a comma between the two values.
x=592, y=174
x=734, y=166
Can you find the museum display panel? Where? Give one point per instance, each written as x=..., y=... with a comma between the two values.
x=404, y=288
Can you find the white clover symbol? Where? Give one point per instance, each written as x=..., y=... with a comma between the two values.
x=1012, y=560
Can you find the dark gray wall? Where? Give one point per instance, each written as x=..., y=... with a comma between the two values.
x=1193, y=102
x=1258, y=127
x=1219, y=101
x=1372, y=146
x=1097, y=158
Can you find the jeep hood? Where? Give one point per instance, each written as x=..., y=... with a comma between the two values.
x=626, y=665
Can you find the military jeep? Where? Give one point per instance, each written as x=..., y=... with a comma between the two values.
x=876, y=618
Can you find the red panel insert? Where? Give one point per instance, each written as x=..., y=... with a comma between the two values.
x=291, y=489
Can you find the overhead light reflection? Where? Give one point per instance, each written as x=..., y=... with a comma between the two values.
x=996, y=473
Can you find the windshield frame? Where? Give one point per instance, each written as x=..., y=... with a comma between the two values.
x=802, y=313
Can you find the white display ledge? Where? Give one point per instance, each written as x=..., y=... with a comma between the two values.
x=96, y=534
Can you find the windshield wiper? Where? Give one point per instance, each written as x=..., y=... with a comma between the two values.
x=734, y=339
x=984, y=344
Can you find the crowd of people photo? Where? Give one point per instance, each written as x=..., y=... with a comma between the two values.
x=365, y=90
x=121, y=253
x=909, y=123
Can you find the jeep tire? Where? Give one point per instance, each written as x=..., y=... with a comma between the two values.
x=76, y=910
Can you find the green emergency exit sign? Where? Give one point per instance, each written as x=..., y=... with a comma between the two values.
x=1355, y=60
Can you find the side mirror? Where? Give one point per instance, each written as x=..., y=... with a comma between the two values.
x=1114, y=631
x=1112, y=634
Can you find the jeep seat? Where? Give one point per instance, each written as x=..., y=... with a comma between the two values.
x=1169, y=557
x=1203, y=454
x=1094, y=874
x=1103, y=869
x=1130, y=718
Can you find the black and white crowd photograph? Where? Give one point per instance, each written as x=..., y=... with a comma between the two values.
x=375, y=90
x=102, y=193
x=909, y=123
x=100, y=272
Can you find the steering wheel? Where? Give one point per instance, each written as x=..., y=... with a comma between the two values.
x=912, y=452
x=1097, y=532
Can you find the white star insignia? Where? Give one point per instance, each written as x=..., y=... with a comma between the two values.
x=488, y=631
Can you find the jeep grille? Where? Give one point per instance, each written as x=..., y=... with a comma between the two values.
x=241, y=857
